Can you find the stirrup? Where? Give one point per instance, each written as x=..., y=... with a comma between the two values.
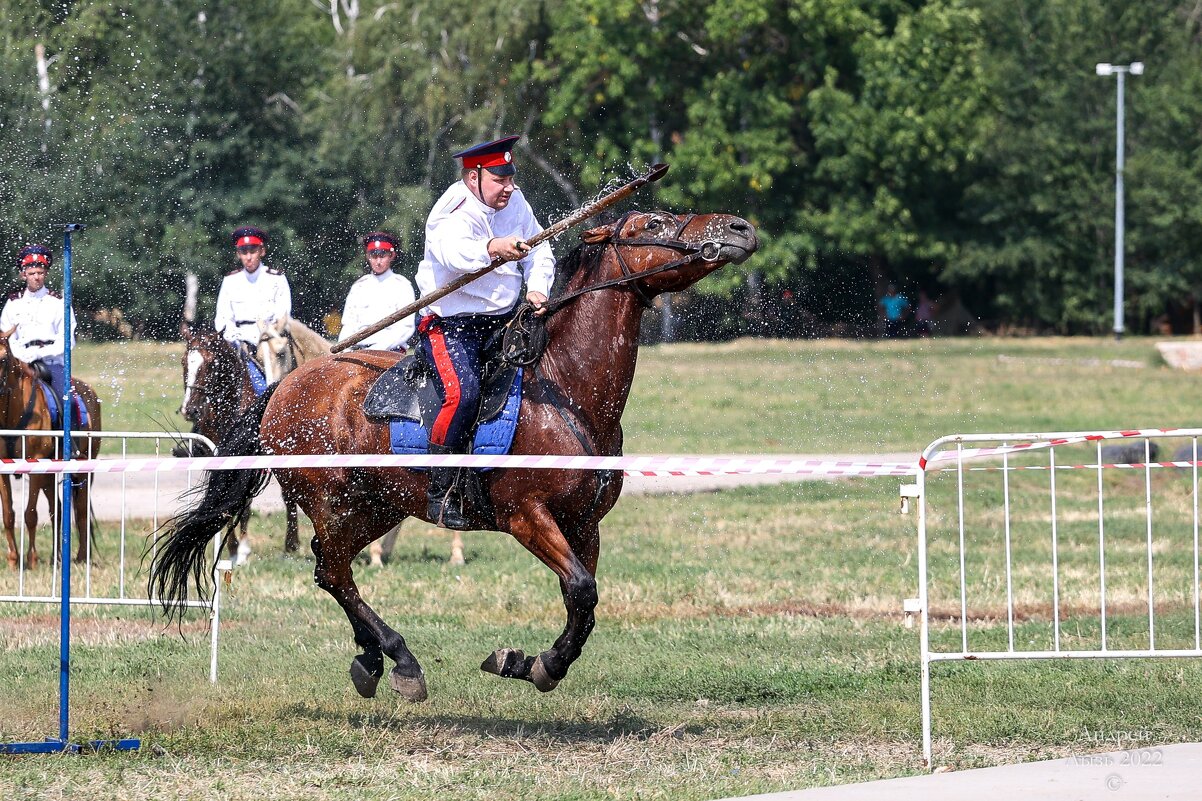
x=447, y=515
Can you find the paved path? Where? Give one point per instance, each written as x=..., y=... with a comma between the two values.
x=1167, y=772
x=140, y=491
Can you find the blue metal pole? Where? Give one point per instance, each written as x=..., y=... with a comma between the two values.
x=64, y=669
x=53, y=745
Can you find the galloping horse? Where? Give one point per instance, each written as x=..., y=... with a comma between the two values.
x=286, y=344
x=572, y=403
x=23, y=406
x=217, y=389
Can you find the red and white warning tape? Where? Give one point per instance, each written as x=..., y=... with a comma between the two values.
x=632, y=465
x=1103, y=466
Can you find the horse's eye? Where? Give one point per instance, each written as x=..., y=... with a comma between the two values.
x=653, y=225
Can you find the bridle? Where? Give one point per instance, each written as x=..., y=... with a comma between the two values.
x=525, y=335
x=213, y=364
x=709, y=251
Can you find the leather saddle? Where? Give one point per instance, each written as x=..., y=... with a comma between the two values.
x=408, y=390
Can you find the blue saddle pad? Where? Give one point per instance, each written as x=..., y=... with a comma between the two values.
x=80, y=417
x=257, y=380
x=493, y=436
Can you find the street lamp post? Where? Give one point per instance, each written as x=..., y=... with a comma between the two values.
x=1120, y=71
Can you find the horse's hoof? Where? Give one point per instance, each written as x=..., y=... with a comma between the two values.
x=540, y=678
x=509, y=663
x=363, y=679
x=410, y=688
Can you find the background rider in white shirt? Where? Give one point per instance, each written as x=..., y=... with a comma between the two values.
x=377, y=295
x=33, y=318
x=251, y=293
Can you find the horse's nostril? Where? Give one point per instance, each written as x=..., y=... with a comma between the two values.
x=741, y=227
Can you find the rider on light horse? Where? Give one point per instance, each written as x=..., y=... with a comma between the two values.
x=251, y=293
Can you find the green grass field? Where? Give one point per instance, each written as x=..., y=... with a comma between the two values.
x=748, y=641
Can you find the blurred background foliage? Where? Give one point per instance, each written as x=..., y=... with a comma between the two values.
x=964, y=147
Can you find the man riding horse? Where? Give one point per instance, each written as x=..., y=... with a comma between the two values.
x=481, y=217
x=250, y=294
x=36, y=314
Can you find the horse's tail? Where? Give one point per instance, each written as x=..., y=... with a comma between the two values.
x=225, y=496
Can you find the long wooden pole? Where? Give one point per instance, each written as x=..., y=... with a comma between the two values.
x=575, y=218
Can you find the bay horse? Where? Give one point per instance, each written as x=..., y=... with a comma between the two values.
x=572, y=403
x=217, y=389
x=23, y=406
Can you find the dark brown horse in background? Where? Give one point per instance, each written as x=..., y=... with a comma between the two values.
x=572, y=403
x=217, y=390
x=23, y=406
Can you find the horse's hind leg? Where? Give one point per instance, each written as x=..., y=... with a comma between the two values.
x=335, y=544
x=292, y=529
x=239, y=547
x=540, y=534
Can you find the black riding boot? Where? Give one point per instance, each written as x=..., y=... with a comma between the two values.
x=444, y=500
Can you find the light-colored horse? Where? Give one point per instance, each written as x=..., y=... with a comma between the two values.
x=285, y=345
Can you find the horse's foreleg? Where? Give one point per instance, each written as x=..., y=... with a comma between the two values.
x=10, y=521
x=79, y=503
x=540, y=535
x=381, y=549
x=334, y=546
x=40, y=485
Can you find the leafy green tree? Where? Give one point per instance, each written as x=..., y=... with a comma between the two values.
x=1038, y=224
x=837, y=128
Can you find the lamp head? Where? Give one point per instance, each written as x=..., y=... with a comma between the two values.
x=1137, y=68
x=1106, y=69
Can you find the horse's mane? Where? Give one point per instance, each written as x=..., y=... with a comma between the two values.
x=581, y=258
x=310, y=343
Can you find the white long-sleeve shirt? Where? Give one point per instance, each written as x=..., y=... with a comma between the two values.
x=38, y=317
x=457, y=234
x=371, y=299
x=246, y=298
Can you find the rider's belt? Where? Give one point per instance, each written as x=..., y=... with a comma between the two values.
x=245, y=322
x=37, y=343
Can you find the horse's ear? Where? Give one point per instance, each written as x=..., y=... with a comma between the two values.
x=185, y=329
x=6, y=334
x=596, y=235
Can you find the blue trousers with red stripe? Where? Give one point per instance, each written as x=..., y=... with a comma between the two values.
x=454, y=348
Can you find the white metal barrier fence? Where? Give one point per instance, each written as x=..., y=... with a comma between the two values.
x=1057, y=546
x=110, y=576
